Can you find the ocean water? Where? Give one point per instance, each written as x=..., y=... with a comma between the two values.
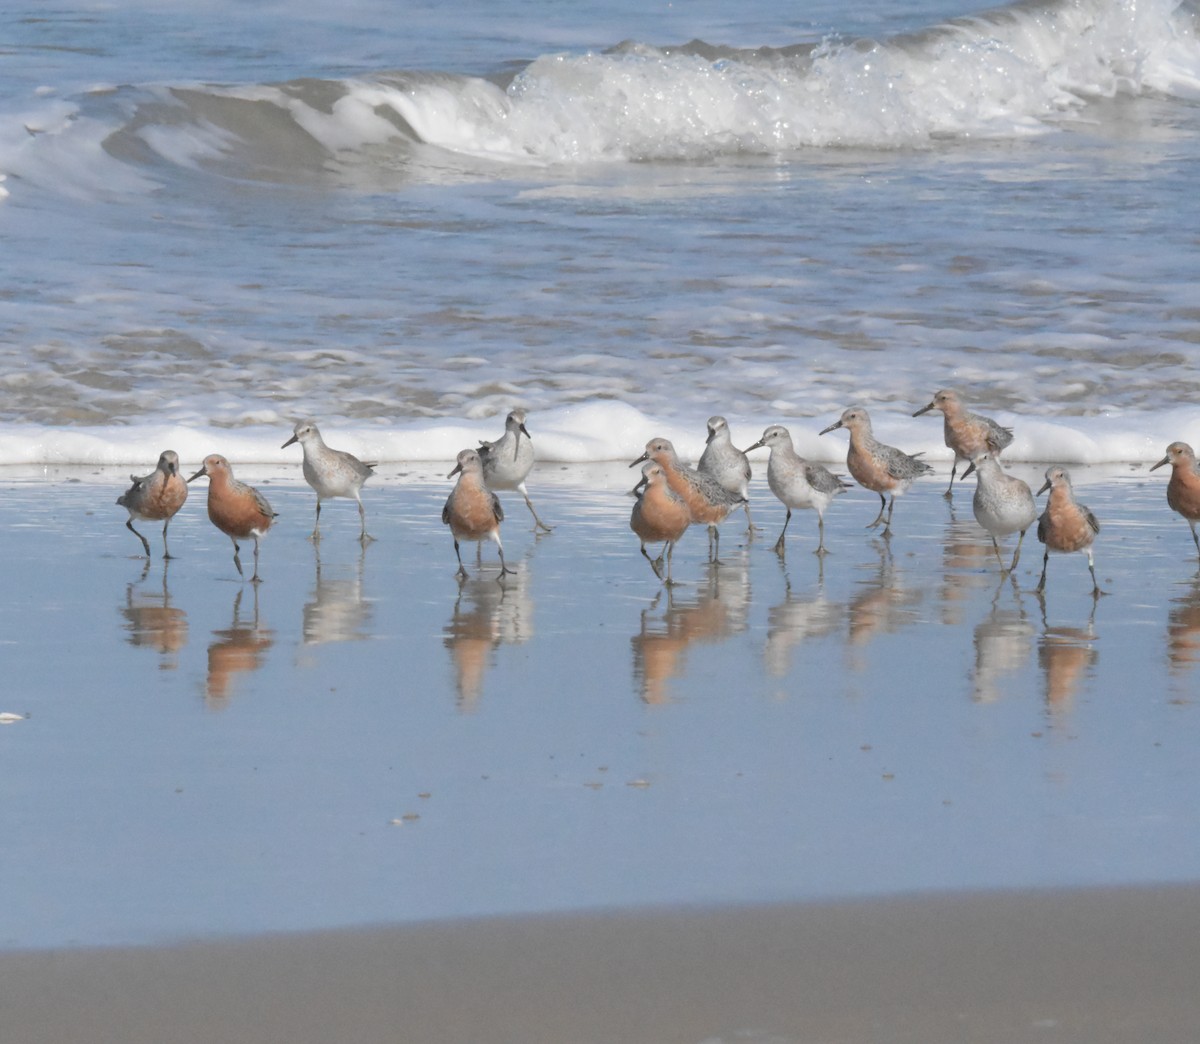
x=402, y=221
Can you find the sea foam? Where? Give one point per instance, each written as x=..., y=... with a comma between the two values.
x=593, y=433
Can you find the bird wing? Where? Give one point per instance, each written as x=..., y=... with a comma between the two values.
x=497, y=510
x=823, y=480
x=998, y=436
x=264, y=505
x=901, y=465
x=1092, y=520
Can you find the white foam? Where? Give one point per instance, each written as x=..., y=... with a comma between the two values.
x=592, y=433
x=1009, y=73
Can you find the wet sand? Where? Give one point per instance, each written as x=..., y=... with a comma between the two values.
x=1090, y=967
x=364, y=801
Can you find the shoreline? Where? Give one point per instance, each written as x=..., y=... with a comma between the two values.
x=1089, y=966
x=363, y=740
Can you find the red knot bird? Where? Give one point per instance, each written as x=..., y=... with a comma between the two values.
x=967, y=434
x=797, y=483
x=659, y=516
x=154, y=497
x=239, y=511
x=1183, y=490
x=880, y=468
x=332, y=473
x=708, y=501
x=726, y=463
x=508, y=461
x=1066, y=525
x=472, y=510
x=1002, y=504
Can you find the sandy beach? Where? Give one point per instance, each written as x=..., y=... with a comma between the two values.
x=882, y=797
x=1091, y=967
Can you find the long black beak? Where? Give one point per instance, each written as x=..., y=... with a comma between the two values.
x=457, y=469
x=758, y=445
x=641, y=460
x=925, y=409
x=1165, y=460
x=289, y=442
x=833, y=427
x=202, y=471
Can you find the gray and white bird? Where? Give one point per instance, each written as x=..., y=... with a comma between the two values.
x=726, y=463
x=508, y=461
x=1002, y=504
x=798, y=483
x=332, y=473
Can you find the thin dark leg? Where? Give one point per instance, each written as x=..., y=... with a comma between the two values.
x=316, y=533
x=503, y=565
x=887, y=526
x=237, y=559
x=255, y=579
x=653, y=563
x=780, y=543
x=950, y=488
x=461, y=569
x=145, y=542
x=1042, y=582
x=670, y=555
x=879, y=517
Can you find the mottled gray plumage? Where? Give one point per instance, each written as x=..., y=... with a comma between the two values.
x=725, y=462
x=508, y=460
x=331, y=473
x=797, y=483
x=1002, y=504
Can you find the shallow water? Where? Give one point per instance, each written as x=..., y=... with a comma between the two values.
x=361, y=740
x=233, y=219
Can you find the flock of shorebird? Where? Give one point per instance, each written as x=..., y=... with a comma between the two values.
x=672, y=496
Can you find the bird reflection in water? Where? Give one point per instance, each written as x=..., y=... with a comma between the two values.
x=1183, y=629
x=967, y=567
x=882, y=606
x=1003, y=642
x=798, y=619
x=718, y=609
x=152, y=621
x=236, y=651
x=486, y=615
x=336, y=610
x=1066, y=655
